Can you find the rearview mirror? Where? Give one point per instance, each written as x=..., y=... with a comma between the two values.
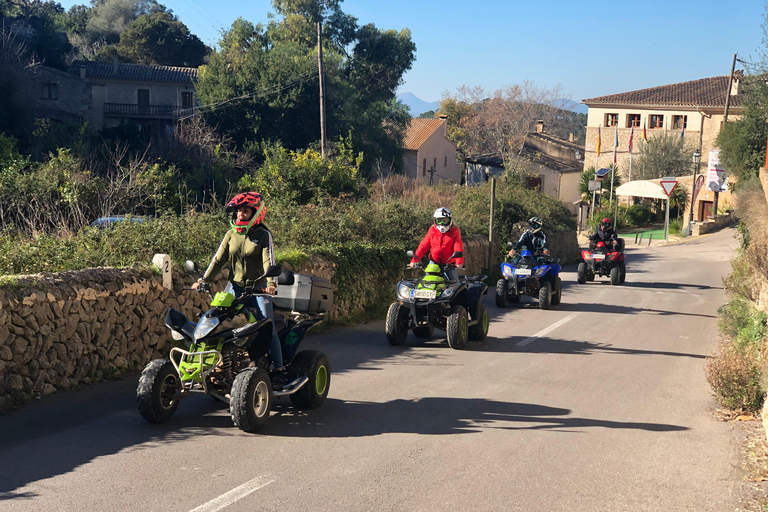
x=457, y=254
x=510, y=245
x=273, y=271
x=410, y=254
x=190, y=266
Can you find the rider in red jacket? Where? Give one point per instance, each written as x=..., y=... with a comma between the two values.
x=441, y=241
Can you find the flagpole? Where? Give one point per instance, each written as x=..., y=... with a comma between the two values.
x=630, y=166
x=613, y=167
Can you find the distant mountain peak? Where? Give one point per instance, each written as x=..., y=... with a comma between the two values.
x=416, y=105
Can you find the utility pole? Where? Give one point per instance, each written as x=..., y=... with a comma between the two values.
x=322, y=86
x=431, y=175
x=490, y=224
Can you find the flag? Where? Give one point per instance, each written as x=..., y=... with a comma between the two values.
x=615, y=143
x=645, y=135
x=682, y=132
x=598, y=142
x=631, y=137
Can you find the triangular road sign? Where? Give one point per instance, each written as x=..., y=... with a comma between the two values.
x=668, y=186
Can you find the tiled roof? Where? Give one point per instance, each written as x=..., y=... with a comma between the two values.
x=706, y=92
x=135, y=72
x=419, y=130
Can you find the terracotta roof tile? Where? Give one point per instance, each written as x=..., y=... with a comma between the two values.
x=419, y=130
x=135, y=72
x=706, y=92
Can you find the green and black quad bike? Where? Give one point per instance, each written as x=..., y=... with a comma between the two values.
x=440, y=299
x=232, y=364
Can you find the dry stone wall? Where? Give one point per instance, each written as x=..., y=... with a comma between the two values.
x=60, y=330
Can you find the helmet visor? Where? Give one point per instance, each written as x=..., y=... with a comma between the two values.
x=443, y=221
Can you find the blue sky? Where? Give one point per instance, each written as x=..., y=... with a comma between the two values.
x=590, y=48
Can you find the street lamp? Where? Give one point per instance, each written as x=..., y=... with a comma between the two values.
x=696, y=158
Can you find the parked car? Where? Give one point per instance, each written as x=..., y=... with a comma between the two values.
x=105, y=222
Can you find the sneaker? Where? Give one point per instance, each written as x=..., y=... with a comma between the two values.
x=279, y=378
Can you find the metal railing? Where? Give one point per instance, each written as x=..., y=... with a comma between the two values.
x=135, y=110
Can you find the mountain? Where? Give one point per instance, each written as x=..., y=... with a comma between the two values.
x=574, y=106
x=417, y=106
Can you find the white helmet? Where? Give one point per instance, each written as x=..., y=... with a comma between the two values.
x=443, y=219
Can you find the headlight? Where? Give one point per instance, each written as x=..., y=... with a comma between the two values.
x=404, y=291
x=507, y=270
x=177, y=335
x=448, y=292
x=205, y=326
x=539, y=271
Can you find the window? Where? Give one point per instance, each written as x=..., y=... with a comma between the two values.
x=534, y=182
x=656, y=121
x=679, y=122
x=633, y=120
x=186, y=100
x=424, y=168
x=434, y=164
x=446, y=162
x=49, y=91
x=611, y=119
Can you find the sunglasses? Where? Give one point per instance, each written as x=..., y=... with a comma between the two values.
x=443, y=222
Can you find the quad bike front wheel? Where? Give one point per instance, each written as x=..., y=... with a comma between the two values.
x=397, y=324
x=501, y=293
x=557, y=293
x=615, y=278
x=251, y=399
x=622, y=272
x=479, y=331
x=316, y=367
x=545, y=295
x=581, y=273
x=158, y=384
x=457, y=328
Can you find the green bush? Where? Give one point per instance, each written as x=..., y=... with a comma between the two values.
x=675, y=225
x=639, y=215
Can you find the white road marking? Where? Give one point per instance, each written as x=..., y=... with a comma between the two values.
x=549, y=329
x=235, y=494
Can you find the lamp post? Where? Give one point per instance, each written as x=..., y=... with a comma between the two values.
x=696, y=162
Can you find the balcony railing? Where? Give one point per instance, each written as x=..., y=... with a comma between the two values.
x=146, y=111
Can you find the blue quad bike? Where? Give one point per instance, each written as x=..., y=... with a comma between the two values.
x=440, y=299
x=536, y=275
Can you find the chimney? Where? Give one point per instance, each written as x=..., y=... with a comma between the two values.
x=443, y=116
x=115, y=65
x=570, y=137
x=82, y=71
x=539, y=126
x=737, y=76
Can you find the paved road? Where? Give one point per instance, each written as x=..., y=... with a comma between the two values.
x=600, y=404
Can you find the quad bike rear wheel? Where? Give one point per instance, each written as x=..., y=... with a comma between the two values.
x=315, y=366
x=581, y=273
x=424, y=331
x=622, y=272
x=557, y=293
x=479, y=331
x=251, y=399
x=396, y=326
x=545, y=295
x=501, y=293
x=457, y=328
x=158, y=383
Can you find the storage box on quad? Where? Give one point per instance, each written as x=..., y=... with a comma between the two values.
x=303, y=293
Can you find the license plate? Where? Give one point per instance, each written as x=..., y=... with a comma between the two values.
x=424, y=294
x=522, y=271
x=598, y=256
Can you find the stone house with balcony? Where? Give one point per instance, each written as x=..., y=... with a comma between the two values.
x=430, y=156
x=138, y=94
x=695, y=110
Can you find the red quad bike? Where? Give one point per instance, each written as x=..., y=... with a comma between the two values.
x=602, y=261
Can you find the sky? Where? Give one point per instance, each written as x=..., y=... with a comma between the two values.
x=588, y=48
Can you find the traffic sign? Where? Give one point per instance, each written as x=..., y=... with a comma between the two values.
x=668, y=184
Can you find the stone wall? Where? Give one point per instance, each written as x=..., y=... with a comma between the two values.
x=710, y=226
x=58, y=331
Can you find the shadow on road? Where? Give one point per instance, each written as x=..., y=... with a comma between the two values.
x=571, y=347
x=594, y=307
x=670, y=286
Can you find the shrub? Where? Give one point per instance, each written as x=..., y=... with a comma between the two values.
x=735, y=377
x=675, y=225
x=640, y=215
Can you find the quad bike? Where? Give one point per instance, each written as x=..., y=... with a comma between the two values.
x=600, y=260
x=232, y=364
x=536, y=275
x=440, y=299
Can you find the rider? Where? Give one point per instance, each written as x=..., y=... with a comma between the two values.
x=604, y=234
x=248, y=249
x=441, y=241
x=533, y=239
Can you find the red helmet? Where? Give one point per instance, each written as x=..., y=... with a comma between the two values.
x=252, y=200
x=600, y=245
x=605, y=224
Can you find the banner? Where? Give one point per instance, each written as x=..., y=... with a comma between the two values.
x=715, y=172
x=697, y=187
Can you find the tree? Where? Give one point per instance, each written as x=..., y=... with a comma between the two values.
x=160, y=39
x=108, y=18
x=664, y=155
x=17, y=100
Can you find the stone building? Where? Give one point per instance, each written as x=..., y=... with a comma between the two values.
x=429, y=155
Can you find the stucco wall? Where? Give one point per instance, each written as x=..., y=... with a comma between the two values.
x=159, y=93
x=73, y=96
x=438, y=147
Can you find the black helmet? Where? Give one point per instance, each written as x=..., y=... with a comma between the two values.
x=534, y=223
x=606, y=224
